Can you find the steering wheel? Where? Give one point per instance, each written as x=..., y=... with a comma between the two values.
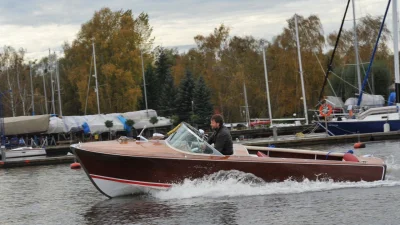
x=196, y=150
x=203, y=135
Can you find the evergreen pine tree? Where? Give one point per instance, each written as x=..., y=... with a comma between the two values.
x=165, y=92
x=184, y=97
x=168, y=96
x=152, y=87
x=162, y=65
x=203, y=108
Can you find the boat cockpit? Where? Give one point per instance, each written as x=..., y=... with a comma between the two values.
x=188, y=139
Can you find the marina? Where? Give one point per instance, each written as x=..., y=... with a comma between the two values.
x=279, y=114
x=235, y=198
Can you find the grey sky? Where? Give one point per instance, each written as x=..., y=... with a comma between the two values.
x=38, y=25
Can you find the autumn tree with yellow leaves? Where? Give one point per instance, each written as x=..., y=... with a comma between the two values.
x=227, y=63
x=223, y=61
x=119, y=39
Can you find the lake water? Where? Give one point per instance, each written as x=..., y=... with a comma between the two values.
x=59, y=195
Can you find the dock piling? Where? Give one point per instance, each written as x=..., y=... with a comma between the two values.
x=275, y=133
x=3, y=153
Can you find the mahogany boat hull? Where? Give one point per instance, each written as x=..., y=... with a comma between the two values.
x=123, y=174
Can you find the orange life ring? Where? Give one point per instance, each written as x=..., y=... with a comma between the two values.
x=322, y=110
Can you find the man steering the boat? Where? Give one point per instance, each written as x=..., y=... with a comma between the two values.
x=221, y=137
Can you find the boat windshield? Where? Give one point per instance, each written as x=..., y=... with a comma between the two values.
x=186, y=138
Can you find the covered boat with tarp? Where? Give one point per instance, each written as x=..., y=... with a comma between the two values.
x=96, y=123
x=26, y=124
x=368, y=101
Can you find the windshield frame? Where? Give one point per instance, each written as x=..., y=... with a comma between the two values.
x=190, y=130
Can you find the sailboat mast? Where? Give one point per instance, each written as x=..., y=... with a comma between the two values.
x=95, y=76
x=396, y=50
x=301, y=70
x=356, y=45
x=373, y=55
x=44, y=89
x=58, y=87
x=2, y=132
x=246, y=105
x=333, y=53
x=52, y=87
x=144, y=83
x=266, y=84
x=33, y=97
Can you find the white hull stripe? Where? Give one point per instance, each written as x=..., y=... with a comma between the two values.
x=141, y=183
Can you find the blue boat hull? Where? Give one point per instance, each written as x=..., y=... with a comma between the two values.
x=362, y=127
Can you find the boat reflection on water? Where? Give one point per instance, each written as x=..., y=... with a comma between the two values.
x=145, y=209
x=140, y=209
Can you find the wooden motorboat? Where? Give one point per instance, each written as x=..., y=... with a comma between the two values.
x=126, y=167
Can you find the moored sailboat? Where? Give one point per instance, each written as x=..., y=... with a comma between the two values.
x=379, y=119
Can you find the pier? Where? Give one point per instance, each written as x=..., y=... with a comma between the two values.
x=54, y=155
x=266, y=132
x=36, y=161
x=320, y=138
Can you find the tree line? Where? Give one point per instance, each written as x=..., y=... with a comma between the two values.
x=193, y=85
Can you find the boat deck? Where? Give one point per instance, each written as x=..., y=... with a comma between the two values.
x=159, y=149
x=133, y=148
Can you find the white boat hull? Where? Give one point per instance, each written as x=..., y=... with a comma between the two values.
x=22, y=152
x=114, y=187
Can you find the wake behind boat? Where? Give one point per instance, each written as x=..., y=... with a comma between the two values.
x=124, y=168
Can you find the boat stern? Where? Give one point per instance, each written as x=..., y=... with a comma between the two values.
x=374, y=161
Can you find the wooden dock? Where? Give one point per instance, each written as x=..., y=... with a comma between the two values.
x=58, y=150
x=267, y=132
x=36, y=161
x=321, y=138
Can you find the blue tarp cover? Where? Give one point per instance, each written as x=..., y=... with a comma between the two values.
x=392, y=98
x=123, y=121
x=86, y=128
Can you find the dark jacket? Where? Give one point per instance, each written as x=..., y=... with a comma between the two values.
x=222, y=140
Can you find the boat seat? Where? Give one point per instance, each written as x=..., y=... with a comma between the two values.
x=350, y=158
x=240, y=150
x=260, y=154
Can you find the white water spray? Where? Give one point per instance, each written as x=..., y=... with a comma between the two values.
x=236, y=183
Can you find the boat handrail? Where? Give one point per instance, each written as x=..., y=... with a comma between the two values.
x=371, y=111
x=290, y=150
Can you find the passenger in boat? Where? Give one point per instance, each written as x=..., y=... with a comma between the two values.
x=221, y=137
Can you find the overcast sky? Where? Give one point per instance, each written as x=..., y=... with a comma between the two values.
x=37, y=25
